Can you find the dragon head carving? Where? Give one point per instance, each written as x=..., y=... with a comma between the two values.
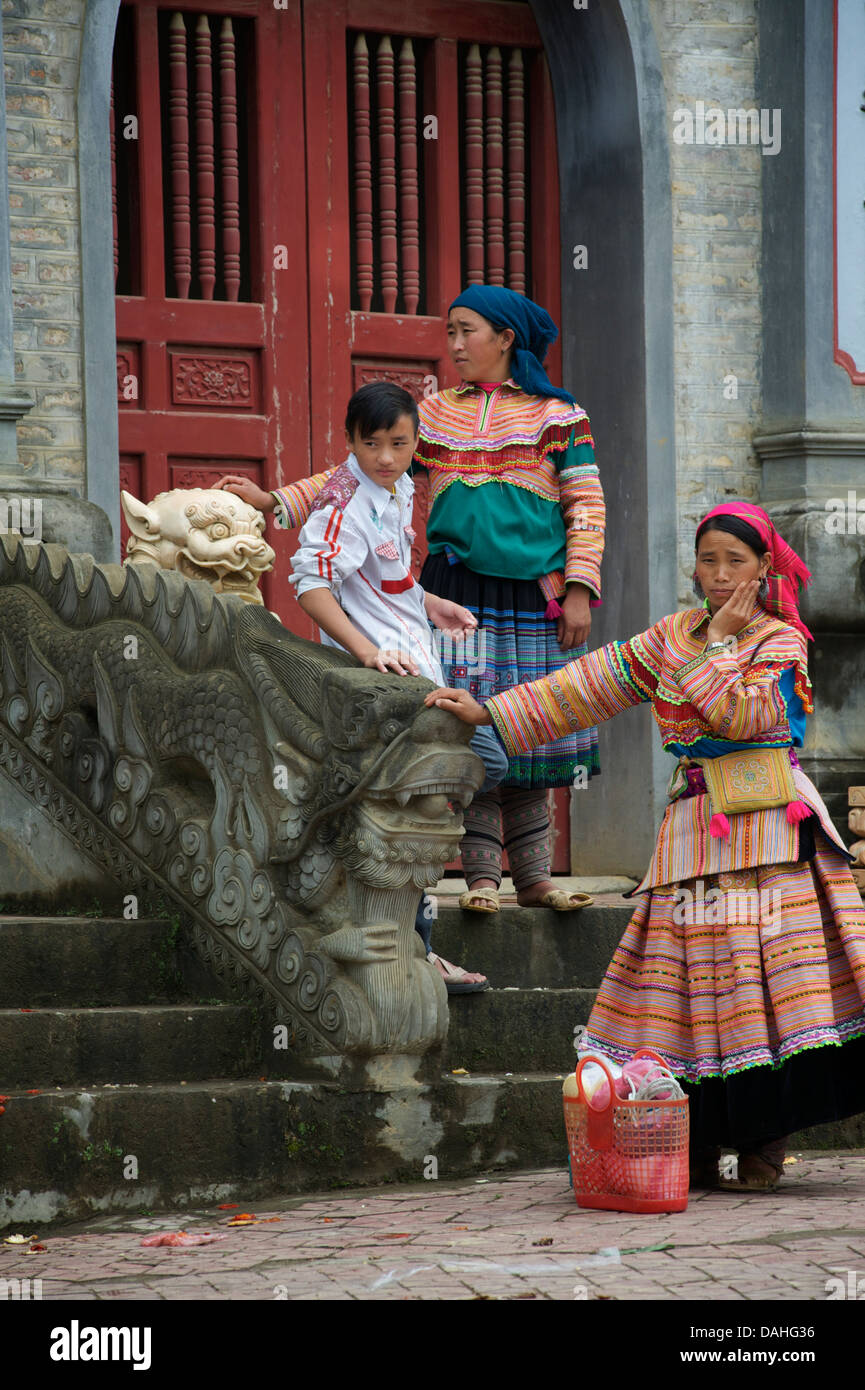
x=380, y=772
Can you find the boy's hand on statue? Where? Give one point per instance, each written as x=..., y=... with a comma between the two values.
x=380, y=660
x=248, y=490
x=460, y=703
x=575, y=624
x=736, y=612
x=450, y=617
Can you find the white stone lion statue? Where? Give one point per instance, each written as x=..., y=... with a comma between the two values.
x=205, y=533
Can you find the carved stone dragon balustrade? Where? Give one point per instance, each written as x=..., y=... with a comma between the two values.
x=294, y=804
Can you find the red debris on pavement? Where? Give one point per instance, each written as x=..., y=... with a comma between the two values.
x=175, y=1238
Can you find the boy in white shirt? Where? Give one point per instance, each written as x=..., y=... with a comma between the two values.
x=352, y=572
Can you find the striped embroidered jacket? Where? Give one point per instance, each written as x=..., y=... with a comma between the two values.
x=704, y=705
x=534, y=444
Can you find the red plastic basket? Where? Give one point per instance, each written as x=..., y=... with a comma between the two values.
x=632, y=1155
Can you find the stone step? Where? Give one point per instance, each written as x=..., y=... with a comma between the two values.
x=533, y=947
x=173, y=1042
x=67, y=1154
x=516, y=1029
x=87, y=961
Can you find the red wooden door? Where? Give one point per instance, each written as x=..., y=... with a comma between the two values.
x=300, y=189
x=432, y=166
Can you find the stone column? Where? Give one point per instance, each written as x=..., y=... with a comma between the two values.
x=14, y=400
x=40, y=507
x=812, y=440
x=617, y=346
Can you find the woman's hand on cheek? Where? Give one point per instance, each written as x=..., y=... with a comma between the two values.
x=735, y=613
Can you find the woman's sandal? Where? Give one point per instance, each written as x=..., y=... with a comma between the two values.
x=753, y=1174
x=472, y=900
x=561, y=901
x=456, y=979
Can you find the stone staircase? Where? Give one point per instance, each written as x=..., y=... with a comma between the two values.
x=133, y=1084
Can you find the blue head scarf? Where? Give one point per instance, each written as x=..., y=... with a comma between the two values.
x=533, y=328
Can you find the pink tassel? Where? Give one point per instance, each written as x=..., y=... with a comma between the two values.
x=719, y=826
x=553, y=611
x=796, y=811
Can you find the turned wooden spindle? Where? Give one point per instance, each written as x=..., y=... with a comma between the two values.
x=495, y=171
x=516, y=173
x=178, y=107
x=387, y=191
x=228, y=161
x=363, y=228
x=474, y=165
x=205, y=182
x=409, y=205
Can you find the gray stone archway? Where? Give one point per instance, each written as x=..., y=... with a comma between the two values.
x=617, y=339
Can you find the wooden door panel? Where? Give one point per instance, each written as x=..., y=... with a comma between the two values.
x=212, y=294
x=408, y=221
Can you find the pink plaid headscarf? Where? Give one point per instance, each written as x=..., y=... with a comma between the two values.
x=787, y=570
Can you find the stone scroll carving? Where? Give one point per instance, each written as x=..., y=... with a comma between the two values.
x=295, y=804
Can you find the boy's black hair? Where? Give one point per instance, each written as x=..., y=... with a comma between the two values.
x=378, y=406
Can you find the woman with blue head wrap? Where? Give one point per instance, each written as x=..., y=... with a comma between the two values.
x=515, y=534
x=533, y=329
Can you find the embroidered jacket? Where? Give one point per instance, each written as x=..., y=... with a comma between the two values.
x=357, y=543
x=533, y=447
x=703, y=705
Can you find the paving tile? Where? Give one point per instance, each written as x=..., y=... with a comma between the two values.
x=342, y=1248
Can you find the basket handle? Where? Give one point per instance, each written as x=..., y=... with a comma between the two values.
x=599, y=1122
x=598, y=1061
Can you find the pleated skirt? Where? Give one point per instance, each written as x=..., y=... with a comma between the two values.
x=751, y=984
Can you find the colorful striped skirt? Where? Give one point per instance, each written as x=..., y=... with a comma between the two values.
x=751, y=984
x=515, y=643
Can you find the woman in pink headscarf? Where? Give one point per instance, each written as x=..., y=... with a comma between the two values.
x=744, y=964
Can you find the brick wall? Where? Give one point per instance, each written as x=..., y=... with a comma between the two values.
x=41, y=42
x=709, y=53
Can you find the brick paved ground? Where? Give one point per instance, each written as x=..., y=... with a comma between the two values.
x=512, y=1237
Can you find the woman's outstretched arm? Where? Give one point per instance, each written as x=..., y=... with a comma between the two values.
x=583, y=693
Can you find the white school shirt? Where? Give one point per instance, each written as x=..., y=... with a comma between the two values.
x=357, y=543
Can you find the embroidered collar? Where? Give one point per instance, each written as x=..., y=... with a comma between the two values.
x=703, y=612
x=379, y=496
x=474, y=386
